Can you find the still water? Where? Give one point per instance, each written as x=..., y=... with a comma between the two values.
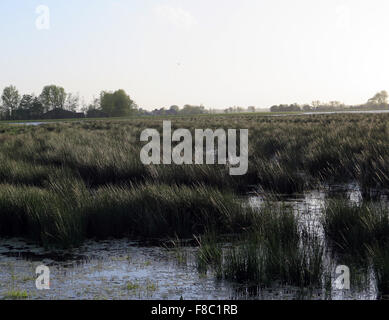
x=124, y=269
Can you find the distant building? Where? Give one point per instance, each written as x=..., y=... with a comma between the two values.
x=62, y=114
x=96, y=113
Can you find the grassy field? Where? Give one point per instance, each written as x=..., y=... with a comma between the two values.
x=61, y=183
x=258, y=113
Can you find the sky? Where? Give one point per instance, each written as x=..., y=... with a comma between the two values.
x=218, y=53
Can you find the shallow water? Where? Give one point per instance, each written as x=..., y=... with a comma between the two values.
x=121, y=269
x=115, y=269
x=124, y=269
x=29, y=123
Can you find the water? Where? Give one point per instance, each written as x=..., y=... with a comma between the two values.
x=115, y=269
x=124, y=269
x=29, y=123
x=121, y=269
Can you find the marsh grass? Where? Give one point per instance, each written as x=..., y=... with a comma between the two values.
x=361, y=234
x=39, y=215
x=286, y=154
x=62, y=183
x=210, y=255
x=152, y=210
x=380, y=261
x=16, y=295
x=66, y=212
x=273, y=176
x=274, y=250
x=352, y=228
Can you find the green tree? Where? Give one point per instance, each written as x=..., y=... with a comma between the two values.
x=380, y=98
x=189, y=109
x=174, y=109
x=117, y=104
x=26, y=102
x=36, y=110
x=53, y=97
x=10, y=98
x=25, y=105
x=71, y=102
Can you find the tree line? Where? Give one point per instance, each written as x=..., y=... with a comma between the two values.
x=53, y=102
x=378, y=101
x=175, y=110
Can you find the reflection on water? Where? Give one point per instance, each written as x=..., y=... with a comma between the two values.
x=123, y=269
x=309, y=207
x=115, y=269
x=29, y=123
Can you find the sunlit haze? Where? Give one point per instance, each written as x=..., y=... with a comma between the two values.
x=218, y=53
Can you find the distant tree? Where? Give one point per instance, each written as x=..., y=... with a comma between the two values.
x=96, y=113
x=29, y=108
x=71, y=103
x=379, y=98
x=316, y=104
x=143, y=112
x=36, y=110
x=307, y=107
x=26, y=102
x=251, y=109
x=336, y=104
x=10, y=98
x=117, y=104
x=189, y=109
x=94, y=105
x=174, y=109
x=162, y=111
x=274, y=108
x=295, y=107
x=53, y=97
x=286, y=108
x=23, y=110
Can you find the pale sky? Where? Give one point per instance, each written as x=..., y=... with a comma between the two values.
x=218, y=53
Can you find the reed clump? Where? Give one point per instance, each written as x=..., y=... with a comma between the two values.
x=66, y=212
x=274, y=251
x=361, y=233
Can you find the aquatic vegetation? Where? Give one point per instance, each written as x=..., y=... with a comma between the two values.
x=179, y=250
x=352, y=228
x=65, y=213
x=63, y=183
x=380, y=259
x=16, y=295
x=277, y=251
x=361, y=233
x=151, y=287
x=131, y=286
x=153, y=210
x=273, y=250
x=209, y=255
x=284, y=152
